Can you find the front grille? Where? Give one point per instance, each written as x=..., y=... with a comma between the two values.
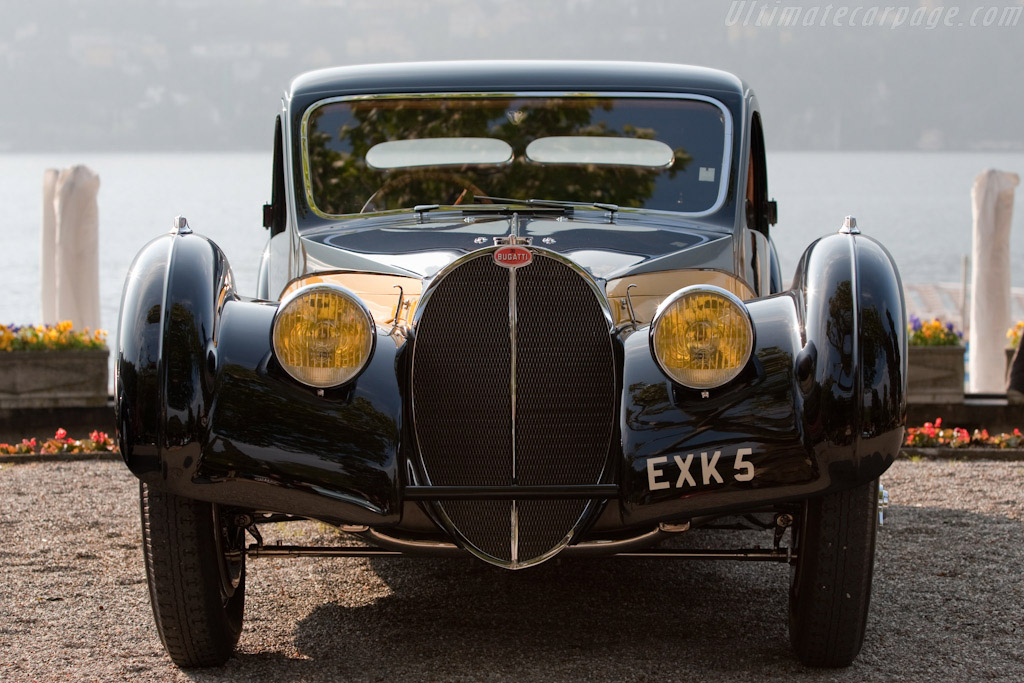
x=563, y=404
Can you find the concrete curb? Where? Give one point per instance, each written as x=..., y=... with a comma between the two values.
x=973, y=454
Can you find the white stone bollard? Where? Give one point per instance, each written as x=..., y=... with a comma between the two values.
x=992, y=207
x=76, y=247
x=48, y=252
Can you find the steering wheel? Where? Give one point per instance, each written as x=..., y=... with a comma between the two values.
x=467, y=187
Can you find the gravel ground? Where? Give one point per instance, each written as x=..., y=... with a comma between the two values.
x=948, y=598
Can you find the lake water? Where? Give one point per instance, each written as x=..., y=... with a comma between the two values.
x=917, y=204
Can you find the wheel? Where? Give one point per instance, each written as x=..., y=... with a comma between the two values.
x=831, y=583
x=195, y=565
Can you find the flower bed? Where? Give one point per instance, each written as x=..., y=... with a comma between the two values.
x=933, y=332
x=935, y=362
x=932, y=435
x=98, y=442
x=59, y=337
x=56, y=366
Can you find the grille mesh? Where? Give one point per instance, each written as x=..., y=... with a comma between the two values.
x=565, y=378
x=461, y=378
x=565, y=397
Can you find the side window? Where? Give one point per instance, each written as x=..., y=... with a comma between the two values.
x=274, y=213
x=761, y=212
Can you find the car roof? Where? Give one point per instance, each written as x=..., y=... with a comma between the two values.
x=515, y=76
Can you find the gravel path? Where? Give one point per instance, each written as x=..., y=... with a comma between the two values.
x=948, y=601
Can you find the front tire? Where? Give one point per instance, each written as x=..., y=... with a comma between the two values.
x=831, y=587
x=195, y=566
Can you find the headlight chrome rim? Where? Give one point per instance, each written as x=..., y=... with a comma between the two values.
x=345, y=374
x=724, y=376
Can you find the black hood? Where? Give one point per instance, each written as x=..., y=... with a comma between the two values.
x=608, y=248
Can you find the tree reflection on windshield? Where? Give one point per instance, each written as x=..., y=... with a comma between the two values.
x=340, y=134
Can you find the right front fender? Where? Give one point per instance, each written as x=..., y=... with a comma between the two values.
x=205, y=412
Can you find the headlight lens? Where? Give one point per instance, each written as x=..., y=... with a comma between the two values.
x=323, y=335
x=702, y=336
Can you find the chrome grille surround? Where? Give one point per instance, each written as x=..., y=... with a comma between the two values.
x=503, y=432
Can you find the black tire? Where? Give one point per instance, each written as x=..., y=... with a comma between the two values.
x=196, y=587
x=831, y=586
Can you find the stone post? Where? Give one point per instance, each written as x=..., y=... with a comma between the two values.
x=76, y=248
x=48, y=251
x=992, y=207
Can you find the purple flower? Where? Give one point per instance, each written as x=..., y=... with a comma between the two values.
x=915, y=323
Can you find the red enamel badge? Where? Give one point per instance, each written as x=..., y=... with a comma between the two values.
x=513, y=257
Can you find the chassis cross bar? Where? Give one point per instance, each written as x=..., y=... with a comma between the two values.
x=747, y=555
x=595, y=491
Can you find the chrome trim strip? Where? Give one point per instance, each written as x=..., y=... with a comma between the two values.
x=514, y=541
x=512, y=321
x=727, y=122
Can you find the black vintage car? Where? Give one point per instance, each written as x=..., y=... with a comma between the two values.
x=513, y=310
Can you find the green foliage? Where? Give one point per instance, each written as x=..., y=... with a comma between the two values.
x=341, y=134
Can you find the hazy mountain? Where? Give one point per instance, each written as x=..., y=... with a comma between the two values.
x=207, y=74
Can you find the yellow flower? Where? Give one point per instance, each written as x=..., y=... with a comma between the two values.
x=1014, y=334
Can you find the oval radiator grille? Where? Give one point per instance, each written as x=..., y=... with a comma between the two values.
x=475, y=427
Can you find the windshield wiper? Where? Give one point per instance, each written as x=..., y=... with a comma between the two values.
x=557, y=203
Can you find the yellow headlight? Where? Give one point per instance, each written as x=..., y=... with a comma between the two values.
x=702, y=336
x=323, y=335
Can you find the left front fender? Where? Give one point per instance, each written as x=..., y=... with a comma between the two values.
x=820, y=407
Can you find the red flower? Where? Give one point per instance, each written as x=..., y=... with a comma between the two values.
x=938, y=422
x=60, y=434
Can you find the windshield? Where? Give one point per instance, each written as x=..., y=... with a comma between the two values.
x=377, y=154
